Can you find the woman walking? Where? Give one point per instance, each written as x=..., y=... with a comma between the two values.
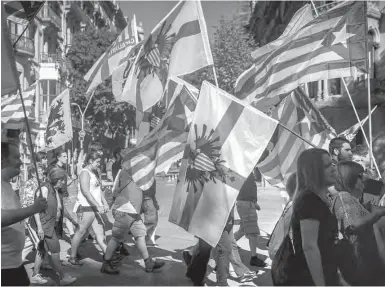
x=314, y=227
x=92, y=205
x=356, y=222
x=49, y=225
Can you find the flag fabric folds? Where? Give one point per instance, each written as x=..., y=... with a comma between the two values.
x=9, y=74
x=59, y=124
x=297, y=113
x=331, y=46
x=351, y=132
x=12, y=114
x=300, y=19
x=163, y=145
x=111, y=59
x=226, y=139
x=22, y=11
x=178, y=45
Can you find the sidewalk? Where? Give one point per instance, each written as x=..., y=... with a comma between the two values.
x=171, y=241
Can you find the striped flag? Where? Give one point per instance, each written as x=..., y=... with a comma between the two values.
x=331, y=46
x=300, y=19
x=351, y=132
x=226, y=139
x=178, y=45
x=59, y=125
x=297, y=113
x=12, y=114
x=163, y=145
x=111, y=59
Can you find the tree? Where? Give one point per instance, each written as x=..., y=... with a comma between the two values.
x=231, y=49
x=105, y=115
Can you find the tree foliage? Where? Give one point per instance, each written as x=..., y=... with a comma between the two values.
x=105, y=115
x=231, y=49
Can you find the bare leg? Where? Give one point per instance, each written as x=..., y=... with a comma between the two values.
x=99, y=233
x=38, y=262
x=56, y=264
x=253, y=243
x=111, y=247
x=140, y=243
x=84, y=224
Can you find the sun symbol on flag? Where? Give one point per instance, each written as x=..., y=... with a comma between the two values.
x=204, y=161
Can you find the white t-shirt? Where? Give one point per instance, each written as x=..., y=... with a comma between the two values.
x=95, y=190
x=13, y=236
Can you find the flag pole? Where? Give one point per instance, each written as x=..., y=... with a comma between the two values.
x=363, y=132
x=29, y=138
x=370, y=115
x=215, y=76
x=315, y=9
x=297, y=135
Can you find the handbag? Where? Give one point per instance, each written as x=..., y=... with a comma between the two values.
x=344, y=251
x=283, y=267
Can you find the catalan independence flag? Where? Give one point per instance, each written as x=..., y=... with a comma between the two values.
x=332, y=45
x=177, y=46
x=111, y=59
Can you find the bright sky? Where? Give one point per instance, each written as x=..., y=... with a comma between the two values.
x=151, y=12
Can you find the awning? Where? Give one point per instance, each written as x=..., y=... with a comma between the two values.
x=12, y=115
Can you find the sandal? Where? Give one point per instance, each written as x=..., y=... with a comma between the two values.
x=73, y=262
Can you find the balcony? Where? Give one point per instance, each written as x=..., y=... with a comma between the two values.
x=25, y=45
x=47, y=14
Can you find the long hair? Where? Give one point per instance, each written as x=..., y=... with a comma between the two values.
x=310, y=171
x=347, y=174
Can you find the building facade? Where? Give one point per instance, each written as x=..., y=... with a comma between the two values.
x=40, y=52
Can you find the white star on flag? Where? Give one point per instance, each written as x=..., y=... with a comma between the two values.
x=342, y=36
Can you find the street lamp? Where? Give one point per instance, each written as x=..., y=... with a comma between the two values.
x=82, y=133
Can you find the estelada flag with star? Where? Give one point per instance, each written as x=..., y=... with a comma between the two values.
x=333, y=45
x=226, y=139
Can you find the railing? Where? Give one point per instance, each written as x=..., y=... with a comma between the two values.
x=54, y=59
x=24, y=44
x=48, y=14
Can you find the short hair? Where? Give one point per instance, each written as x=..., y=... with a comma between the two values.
x=55, y=174
x=347, y=173
x=337, y=143
x=291, y=184
x=360, y=150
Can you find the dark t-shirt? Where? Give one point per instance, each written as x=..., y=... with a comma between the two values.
x=115, y=168
x=310, y=206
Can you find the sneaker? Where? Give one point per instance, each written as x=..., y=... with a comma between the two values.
x=255, y=261
x=187, y=257
x=152, y=264
x=107, y=268
x=38, y=280
x=73, y=262
x=67, y=280
x=248, y=276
